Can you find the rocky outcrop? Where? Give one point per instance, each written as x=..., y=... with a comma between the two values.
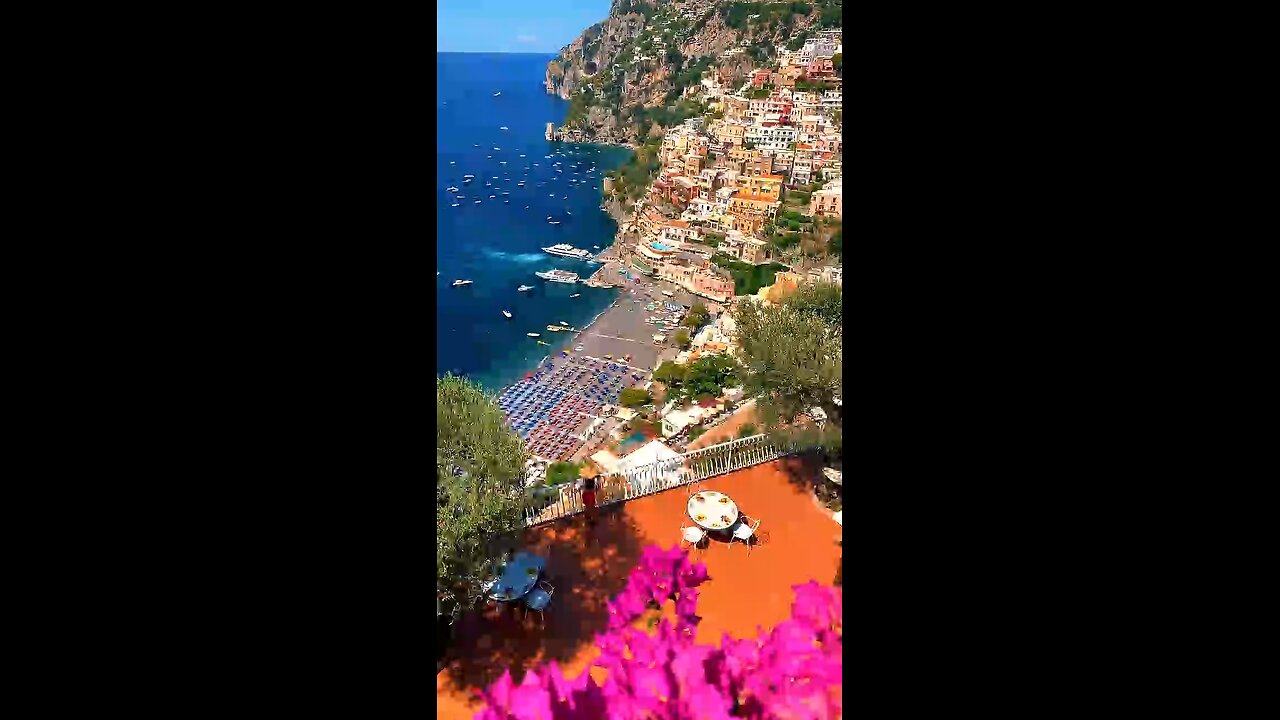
x=594, y=50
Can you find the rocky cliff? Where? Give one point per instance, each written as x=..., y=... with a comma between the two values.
x=652, y=54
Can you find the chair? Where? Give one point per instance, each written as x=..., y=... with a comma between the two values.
x=691, y=534
x=539, y=598
x=744, y=531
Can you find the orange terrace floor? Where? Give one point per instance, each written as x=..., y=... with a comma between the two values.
x=587, y=566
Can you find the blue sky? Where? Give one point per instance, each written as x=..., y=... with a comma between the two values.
x=541, y=26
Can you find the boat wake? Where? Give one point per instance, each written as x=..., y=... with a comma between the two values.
x=517, y=258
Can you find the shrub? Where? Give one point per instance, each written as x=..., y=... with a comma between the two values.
x=794, y=670
x=747, y=430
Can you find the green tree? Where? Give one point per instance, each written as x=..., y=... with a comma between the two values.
x=634, y=397
x=747, y=430
x=835, y=245
x=837, y=62
x=792, y=356
x=682, y=338
x=479, y=486
x=669, y=373
x=696, y=432
x=559, y=473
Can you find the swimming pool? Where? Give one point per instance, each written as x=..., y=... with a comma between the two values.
x=659, y=246
x=631, y=442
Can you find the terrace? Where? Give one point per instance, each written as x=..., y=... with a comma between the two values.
x=798, y=542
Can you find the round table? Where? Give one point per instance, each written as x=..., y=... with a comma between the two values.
x=716, y=510
x=518, y=578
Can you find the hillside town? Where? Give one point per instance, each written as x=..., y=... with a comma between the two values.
x=765, y=156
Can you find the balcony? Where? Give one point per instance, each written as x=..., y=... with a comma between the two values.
x=588, y=565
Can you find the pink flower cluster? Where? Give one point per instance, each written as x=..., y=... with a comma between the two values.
x=791, y=672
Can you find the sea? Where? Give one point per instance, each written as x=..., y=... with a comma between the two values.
x=497, y=241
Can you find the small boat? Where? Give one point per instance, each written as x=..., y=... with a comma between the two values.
x=504, y=127
x=597, y=247
x=456, y=204
x=543, y=343
x=575, y=295
x=668, y=293
x=497, y=93
x=522, y=288
x=451, y=189
x=459, y=283
x=554, y=328
x=507, y=313
x=580, y=348
x=533, y=334
x=563, y=322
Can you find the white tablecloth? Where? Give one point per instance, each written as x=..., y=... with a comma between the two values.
x=707, y=505
x=516, y=580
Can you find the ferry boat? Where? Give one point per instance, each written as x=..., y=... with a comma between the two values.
x=523, y=288
x=567, y=250
x=459, y=283
x=560, y=276
x=506, y=313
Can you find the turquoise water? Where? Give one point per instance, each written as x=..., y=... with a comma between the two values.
x=632, y=442
x=497, y=242
x=660, y=246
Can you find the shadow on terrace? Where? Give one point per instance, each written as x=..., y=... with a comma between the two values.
x=585, y=566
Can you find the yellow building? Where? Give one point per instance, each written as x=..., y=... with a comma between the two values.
x=769, y=186
x=751, y=211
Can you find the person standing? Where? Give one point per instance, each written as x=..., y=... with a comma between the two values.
x=589, y=499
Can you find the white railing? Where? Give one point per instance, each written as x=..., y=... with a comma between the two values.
x=662, y=475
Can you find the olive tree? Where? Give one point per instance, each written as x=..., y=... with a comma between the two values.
x=479, y=486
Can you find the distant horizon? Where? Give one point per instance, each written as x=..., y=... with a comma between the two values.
x=489, y=52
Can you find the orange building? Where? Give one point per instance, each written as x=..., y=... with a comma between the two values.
x=751, y=211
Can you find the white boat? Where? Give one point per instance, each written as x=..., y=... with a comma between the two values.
x=457, y=283
x=563, y=322
x=451, y=189
x=468, y=177
x=597, y=247
x=504, y=127
x=575, y=295
x=668, y=293
x=533, y=334
x=554, y=222
x=566, y=250
x=456, y=204
x=497, y=93
x=580, y=348
x=522, y=288
x=507, y=313
x=560, y=276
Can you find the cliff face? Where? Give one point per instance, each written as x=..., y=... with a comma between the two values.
x=651, y=53
x=595, y=49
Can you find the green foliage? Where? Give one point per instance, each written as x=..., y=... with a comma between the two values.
x=747, y=278
x=696, y=432
x=479, y=485
x=792, y=355
x=634, y=397
x=698, y=314
x=820, y=300
x=712, y=239
x=835, y=245
x=747, y=430
x=837, y=62
x=681, y=338
x=799, y=196
x=708, y=376
x=782, y=241
x=559, y=473
x=669, y=373
x=760, y=93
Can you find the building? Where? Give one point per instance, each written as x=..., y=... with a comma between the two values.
x=745, y=248
x=756, y=163
x=827, y=201
x=768, y=186
x=751, y=211
x=775, y=137
x=702, y=279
